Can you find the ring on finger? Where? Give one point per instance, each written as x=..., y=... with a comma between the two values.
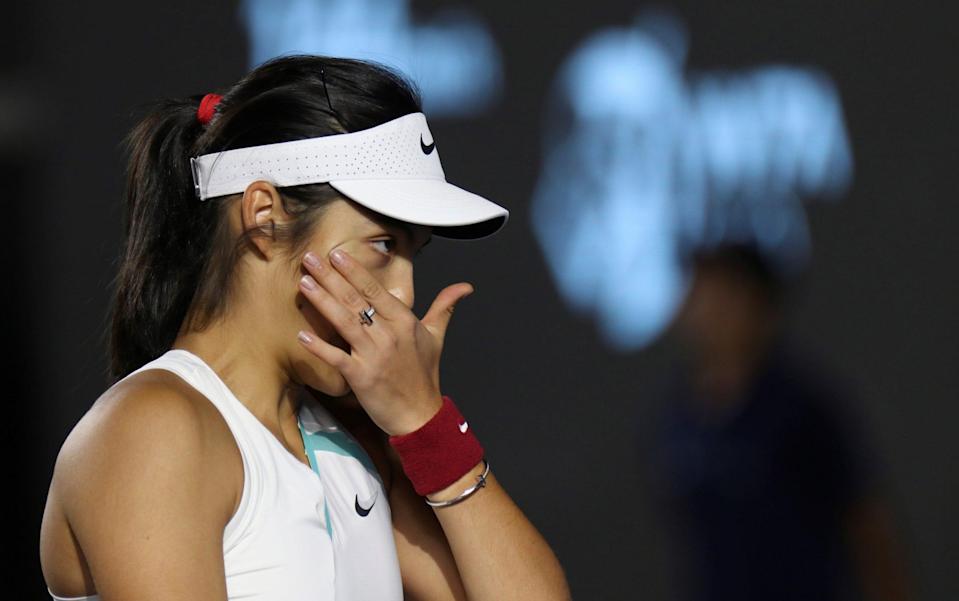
x=366, y=316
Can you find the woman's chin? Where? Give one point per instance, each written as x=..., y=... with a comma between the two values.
x=323, y=380
x=327, y=382
x=348, y=401
x=336, y=399
x=334, y=389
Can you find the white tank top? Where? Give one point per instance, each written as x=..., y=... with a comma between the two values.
x=298, y=534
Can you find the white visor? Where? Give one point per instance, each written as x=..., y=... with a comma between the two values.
x=393, y=169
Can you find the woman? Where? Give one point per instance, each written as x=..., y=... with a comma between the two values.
x=278, y=420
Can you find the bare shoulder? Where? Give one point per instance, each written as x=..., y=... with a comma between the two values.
x=151, y=419
x=152, y=467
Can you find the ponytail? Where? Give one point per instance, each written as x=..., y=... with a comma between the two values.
x=167, y=236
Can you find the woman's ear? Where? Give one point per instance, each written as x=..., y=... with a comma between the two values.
x=261, y=210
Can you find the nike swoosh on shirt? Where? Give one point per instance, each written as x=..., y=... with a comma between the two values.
x=360, y=510
x=464, y=427
x=427, y=148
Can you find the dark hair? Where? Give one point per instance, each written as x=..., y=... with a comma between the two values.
x=178, y=254
x=747, y=263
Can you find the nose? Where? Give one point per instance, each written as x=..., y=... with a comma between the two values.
x=399, y=281
x=405, y=294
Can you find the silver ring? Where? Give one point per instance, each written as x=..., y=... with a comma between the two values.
x=366, y=316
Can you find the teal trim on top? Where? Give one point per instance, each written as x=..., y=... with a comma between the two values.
x=329, y=522
x=337, y=442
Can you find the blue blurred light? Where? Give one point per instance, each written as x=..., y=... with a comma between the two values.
x=642, y=161
x=453, y=58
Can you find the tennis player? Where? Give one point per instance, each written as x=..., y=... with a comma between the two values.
x=276, y=429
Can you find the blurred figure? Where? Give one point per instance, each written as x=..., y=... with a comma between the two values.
x=772, y=488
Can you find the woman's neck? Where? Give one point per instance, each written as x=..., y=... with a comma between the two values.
x=243, y=358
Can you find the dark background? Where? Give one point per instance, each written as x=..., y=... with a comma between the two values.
x=558, y=413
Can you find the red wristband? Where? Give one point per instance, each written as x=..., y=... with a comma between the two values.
x=441, y=452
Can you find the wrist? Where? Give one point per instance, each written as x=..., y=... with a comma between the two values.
x=412, y=421
x=440, y=452
x=455, y=490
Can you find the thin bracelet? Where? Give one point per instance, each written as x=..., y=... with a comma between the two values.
x=480, y=483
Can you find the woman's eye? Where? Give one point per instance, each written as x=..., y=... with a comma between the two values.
x=385, y=246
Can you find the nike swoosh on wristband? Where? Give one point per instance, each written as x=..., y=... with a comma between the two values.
x=427, y=148
x=464, y=427
x=360, y=510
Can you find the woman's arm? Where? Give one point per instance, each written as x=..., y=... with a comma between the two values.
x=430, y=572
x=500, y=554
x=393, y=369
x=137, y=481
x=424, y=536
x=484, y=544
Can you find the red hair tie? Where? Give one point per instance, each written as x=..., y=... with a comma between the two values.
x=205, y=111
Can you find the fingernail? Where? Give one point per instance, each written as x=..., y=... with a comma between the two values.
x=338, y=256
x=304, y=337
x=312, y=260
x=308, y=282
